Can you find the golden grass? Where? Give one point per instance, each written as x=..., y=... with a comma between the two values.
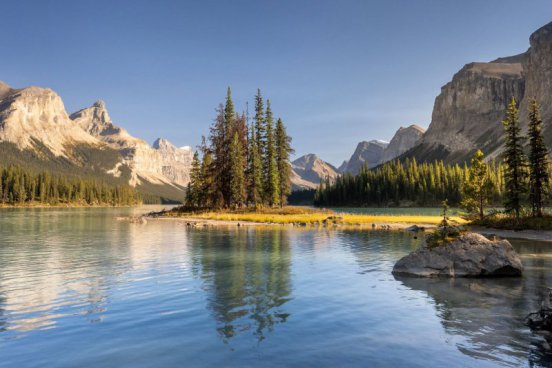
x=289, y=215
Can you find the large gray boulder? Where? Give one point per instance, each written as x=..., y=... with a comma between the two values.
x=471, y=255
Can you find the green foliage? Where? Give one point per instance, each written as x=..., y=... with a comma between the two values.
x=237, y=175
x=19, y=186
x=443, y=235
x=195, y=187
x=255, y=170
x=526, y=222
x=515, y=173
x=478, y=186
x=404, y=184
x=539, y=177
x=283, y=151
x=242, y=165
x=272, y=186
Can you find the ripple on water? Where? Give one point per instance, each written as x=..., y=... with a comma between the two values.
x=114, y=294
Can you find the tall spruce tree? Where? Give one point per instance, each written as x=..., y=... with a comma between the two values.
x=196, y=184
x=515, y=173
x=237, y=174
x=538, y=162
x=255, y=171
x=283, y=151
x=478, y=186
x=259, y=124
x=219, y=155
x=272, y=195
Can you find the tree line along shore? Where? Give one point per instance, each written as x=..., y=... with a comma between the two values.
x=25, y=188
x=520, y=182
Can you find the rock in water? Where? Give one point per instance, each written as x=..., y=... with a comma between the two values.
x=471, y=255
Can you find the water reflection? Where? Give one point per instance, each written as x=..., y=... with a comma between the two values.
x=246, y=275
x=484, y=317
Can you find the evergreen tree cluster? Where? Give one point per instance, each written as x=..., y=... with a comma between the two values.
x=242, y=164
x=409, y=182
x=19, y=186
x=522, y=178
x=527, y=176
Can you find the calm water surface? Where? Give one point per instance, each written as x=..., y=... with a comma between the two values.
x=80, y=289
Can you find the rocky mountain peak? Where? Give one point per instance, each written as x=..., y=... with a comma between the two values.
x=368, y=153
x=36, y=114
x=4, y=90
x=100, y=104
x=163, y=144
x=543, y=34
x=308, y=170
x=306, y=161
x=403, y=140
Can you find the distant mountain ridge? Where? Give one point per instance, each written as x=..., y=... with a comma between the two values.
x=375, y=152
x=309, y=170
x=33, y=121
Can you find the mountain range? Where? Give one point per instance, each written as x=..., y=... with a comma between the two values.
x=36, y=130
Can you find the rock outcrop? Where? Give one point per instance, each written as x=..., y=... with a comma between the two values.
x=366, y=153
x=161, y=164
x=176, y=162
x=403, y=140
x=467, y=115
x=308, y=170
x=537, y=70
x=470, y=255
x=36, y=116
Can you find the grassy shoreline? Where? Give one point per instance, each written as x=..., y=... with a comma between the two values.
x=301, y=216
x=65, y=206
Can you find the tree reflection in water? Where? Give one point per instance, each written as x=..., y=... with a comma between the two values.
x=246, y=274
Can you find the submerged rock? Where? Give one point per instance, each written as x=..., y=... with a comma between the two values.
x=471, y=255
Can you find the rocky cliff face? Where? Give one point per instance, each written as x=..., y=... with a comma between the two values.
x=537, y=69
x=33, y=116
x=467, y=115
x=403, y=140
x=366, y=153
x=176, y=161
x=308, y=170
x=162, y=163
x=34, y=120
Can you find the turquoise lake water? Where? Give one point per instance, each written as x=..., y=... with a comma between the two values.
x=80, y=289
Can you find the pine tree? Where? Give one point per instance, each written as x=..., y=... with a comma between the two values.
x=272, y=195
x=477, y=188
x=219, y=155
x=259, y=126
x=255, y=171
x=237, y=175
x=538, y=162
x=196, y=183
x=515, y=170
x=283, y=151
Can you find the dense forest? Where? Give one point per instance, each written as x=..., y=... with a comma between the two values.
x=242, y=164
x=520, y=181
x=405, y=183
x=19, y=186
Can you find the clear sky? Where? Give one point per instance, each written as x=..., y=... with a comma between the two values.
x=337, y=72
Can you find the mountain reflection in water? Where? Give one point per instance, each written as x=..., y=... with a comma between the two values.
x=79, y=288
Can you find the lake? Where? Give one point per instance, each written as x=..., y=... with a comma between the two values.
x=80, y=289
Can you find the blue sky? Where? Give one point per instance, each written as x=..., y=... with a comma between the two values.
x=337, y=72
